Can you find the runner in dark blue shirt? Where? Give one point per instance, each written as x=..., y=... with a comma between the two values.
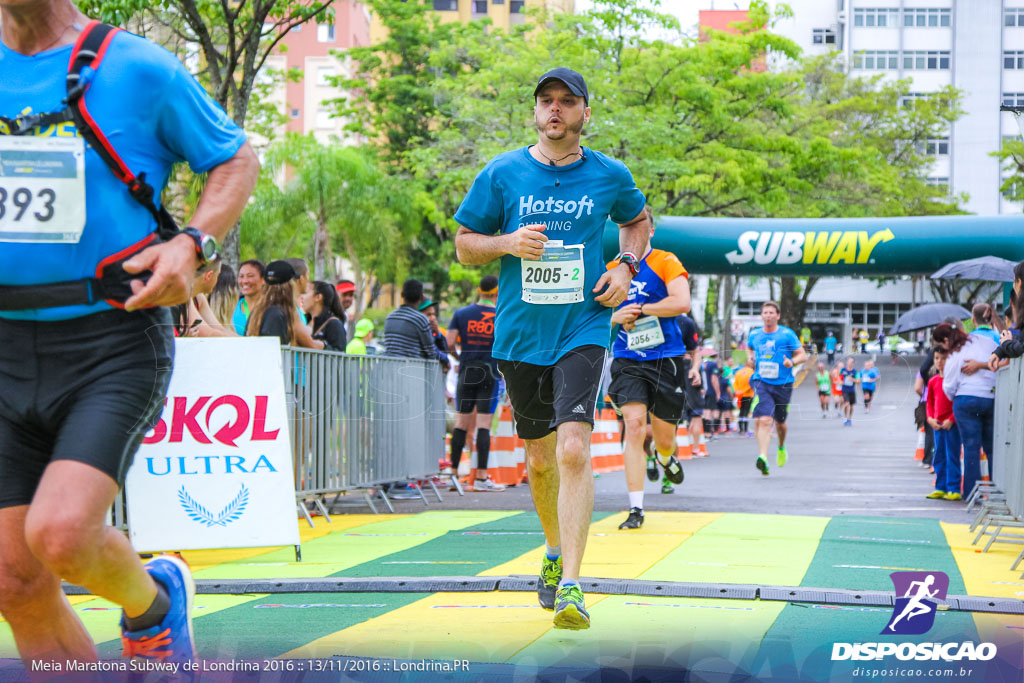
x=472, y=327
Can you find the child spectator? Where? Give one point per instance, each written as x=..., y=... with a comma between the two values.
x=946, y=459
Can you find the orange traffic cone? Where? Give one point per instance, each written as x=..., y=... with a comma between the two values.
x=919, y=453
x=683, y=446
x=985, y=474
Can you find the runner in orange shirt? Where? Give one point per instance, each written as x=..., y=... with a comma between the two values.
x=744, y=394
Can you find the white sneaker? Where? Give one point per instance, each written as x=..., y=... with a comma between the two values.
x=487, y=485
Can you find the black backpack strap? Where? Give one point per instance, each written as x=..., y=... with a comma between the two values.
x=89, y=51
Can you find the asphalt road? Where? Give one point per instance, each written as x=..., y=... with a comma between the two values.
x=865, y=469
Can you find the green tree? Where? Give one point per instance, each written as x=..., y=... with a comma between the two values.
x=335, y=200
x=234, y=40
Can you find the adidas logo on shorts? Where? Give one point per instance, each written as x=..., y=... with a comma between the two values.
x=579, y=409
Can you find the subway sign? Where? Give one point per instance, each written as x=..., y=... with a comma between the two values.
x=837, y=246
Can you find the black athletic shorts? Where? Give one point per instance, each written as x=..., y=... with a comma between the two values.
x=711, y=400
x=476, y=387
x=850, y=397
x=86, y=389
x=691, y=392
x=655, y=383
x=545, y=396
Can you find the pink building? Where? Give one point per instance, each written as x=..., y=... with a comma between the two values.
x=309, y=49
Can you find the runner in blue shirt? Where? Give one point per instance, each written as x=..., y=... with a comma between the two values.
x=850, y=379
x=648, y=372
x=542, y=210
x=869, y=383
x=776, y=350
x=85, y=360
x=830, y=347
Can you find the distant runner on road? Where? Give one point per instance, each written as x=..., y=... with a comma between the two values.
x=776, y=350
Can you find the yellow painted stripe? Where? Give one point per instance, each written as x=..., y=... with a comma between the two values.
x=988, y=573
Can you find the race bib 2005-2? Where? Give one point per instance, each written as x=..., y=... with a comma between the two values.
x=42, y=189
x=557, y=278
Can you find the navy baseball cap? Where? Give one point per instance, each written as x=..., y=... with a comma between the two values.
x=577, y=86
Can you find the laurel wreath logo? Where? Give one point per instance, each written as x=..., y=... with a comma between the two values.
x=200, y=514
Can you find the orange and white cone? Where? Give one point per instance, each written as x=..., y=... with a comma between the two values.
x=985, y=474
x=919, y=453
x=684, y=448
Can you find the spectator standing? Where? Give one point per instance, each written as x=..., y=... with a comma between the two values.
x=805, y=337
x=984, y=316
x=894, y=349
x=940, y=417
x=429, y=309
x=864, y=339
x=362, y=334
x=881, y=339
x=407, y=331
x=225, y=296
x=347, y=294
x=274, y=314
x=322, y=304
x=972, y=393
x=194, y=318
x=1011, y=343
x=250, y=286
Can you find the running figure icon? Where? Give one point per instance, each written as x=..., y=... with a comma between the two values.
x=916, y=606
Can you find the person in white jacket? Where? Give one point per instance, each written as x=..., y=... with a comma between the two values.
x=971, y=386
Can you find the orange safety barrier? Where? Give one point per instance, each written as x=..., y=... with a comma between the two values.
x=919, y=453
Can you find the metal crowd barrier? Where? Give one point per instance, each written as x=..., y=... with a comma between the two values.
x=359, y=422
x=1002, y=499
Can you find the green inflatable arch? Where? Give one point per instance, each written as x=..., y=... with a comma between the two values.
x=831, y=246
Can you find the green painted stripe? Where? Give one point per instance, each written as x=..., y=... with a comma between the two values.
x=339, y=551
x=244, y=631
x=735, y=548
x=860, y=553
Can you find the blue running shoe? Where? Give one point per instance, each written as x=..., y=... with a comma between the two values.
x=172, y=639
x=569, y=610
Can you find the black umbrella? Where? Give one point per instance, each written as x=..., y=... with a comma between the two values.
x=928, y=315
x=991, y=268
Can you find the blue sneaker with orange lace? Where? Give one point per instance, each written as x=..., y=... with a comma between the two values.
x=171, y=639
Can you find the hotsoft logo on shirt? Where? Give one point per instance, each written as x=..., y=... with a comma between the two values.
x=784, y=248
x=528, y=206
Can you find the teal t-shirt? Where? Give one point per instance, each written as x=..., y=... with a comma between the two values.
x=514, y=190
x=771, y=349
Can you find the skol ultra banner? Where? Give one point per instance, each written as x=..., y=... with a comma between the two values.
x=216, y=471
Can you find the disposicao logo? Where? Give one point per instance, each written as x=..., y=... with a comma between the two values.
x=784, y=248
x=914, y=614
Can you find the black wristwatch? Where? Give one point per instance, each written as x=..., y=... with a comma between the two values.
x=630, y=260
x=207, y=247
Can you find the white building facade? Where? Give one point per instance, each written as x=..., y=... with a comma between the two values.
x=976, y=46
